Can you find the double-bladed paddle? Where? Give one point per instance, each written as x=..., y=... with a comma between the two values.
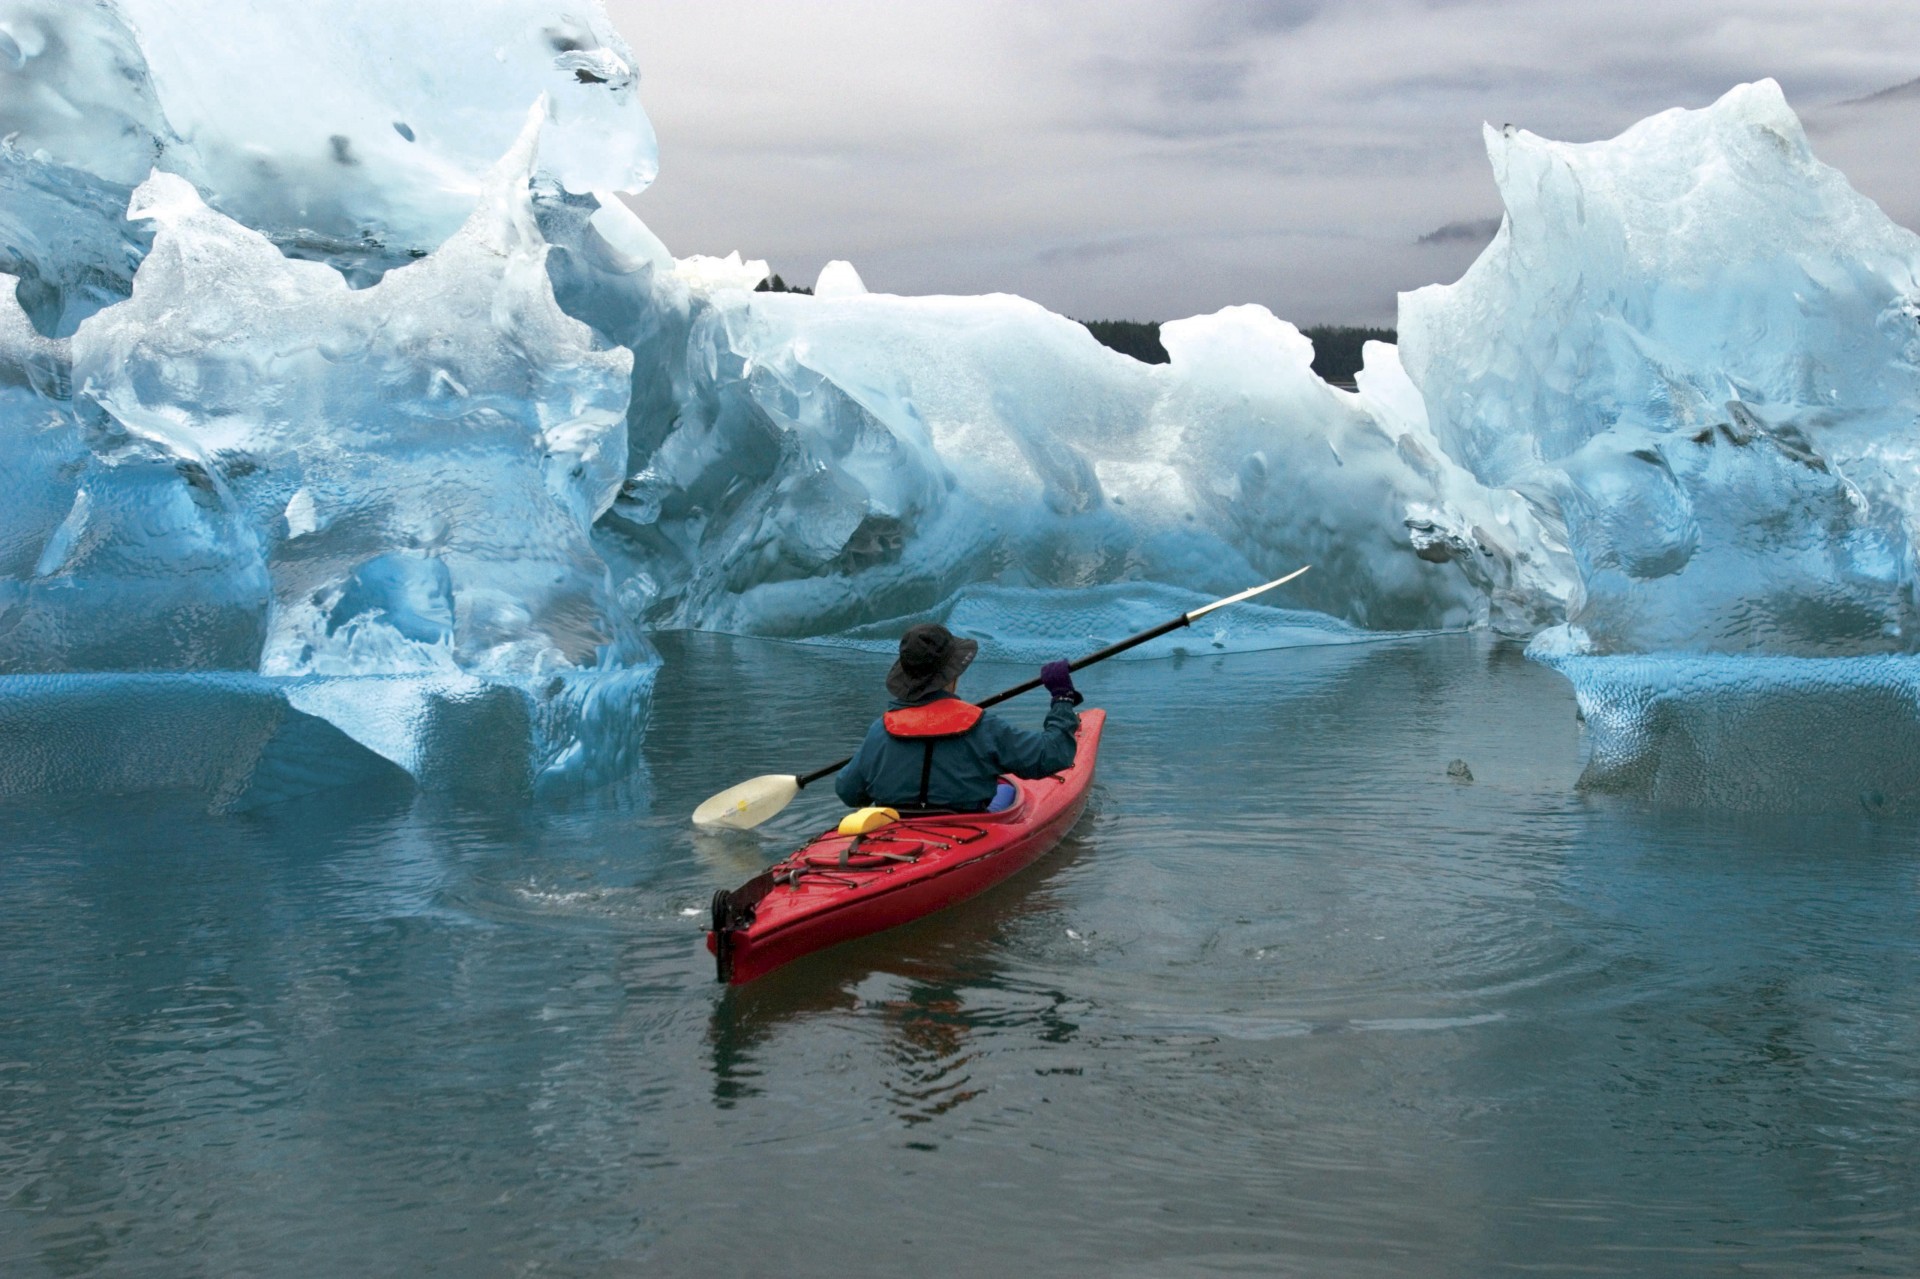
x=753, y=801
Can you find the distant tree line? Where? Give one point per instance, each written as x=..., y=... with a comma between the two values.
x=1336, y=347
x=778, y=285
x=1129, y=337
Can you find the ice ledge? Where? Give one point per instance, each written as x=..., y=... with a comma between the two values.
x=1751, y=734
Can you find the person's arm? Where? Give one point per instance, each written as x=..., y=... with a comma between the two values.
x=852, y=782
x=1028, y=754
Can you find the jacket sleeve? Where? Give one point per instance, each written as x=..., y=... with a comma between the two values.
x=1028, y=754
x=854, y=783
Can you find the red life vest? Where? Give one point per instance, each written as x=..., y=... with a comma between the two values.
x=946, y=717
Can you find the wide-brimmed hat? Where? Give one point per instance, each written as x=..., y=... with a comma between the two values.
x=931, y=657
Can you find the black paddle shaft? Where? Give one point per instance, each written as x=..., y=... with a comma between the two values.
x=1111, y=650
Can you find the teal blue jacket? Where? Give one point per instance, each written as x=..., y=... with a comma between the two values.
x=965, y=769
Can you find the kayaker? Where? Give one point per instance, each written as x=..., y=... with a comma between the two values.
x=933, y=750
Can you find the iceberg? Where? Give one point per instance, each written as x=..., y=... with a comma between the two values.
x=265, y=470
x=1696, y=350
x=435, y=445
x=346, y=402
x=828, y=462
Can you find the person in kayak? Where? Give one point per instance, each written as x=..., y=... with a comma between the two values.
x=933, y=750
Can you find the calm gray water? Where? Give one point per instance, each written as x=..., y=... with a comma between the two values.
x=1290, y=1001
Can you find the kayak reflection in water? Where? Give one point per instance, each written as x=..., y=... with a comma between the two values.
x=932, y=750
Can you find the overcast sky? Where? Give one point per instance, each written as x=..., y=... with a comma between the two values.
x=1156, y=158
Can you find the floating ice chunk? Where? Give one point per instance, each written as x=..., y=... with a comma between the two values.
x=838, y=279
x=1694, y=348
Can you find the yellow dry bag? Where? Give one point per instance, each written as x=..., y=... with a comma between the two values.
x=862, y=820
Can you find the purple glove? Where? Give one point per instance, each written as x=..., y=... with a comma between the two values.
x=1058, y=678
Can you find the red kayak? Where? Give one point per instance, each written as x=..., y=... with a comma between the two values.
x=840, y=887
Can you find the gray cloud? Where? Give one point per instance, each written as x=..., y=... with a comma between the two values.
x=1226, y=19
x=1131, y=157
x=1096, y=250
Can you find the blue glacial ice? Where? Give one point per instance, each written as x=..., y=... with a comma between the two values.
x=434, y=446
x=1694, y=348
x=829, y=462
x=381, y=499
x=349, y=391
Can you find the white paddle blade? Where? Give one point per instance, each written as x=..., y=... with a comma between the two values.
x=745, y=806
x=1247, y=594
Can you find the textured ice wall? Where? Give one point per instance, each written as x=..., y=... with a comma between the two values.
x=255, y=468
x=1695, y=348
x=420, y=461
x=823, y=463
x=248, y=466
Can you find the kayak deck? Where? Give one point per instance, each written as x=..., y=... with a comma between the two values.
x=840, y=887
